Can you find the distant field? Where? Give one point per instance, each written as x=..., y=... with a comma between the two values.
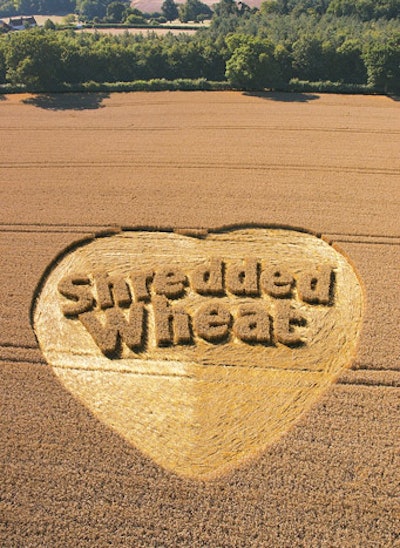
x=155, y=5
x=41, y=19
x=75, y=164
x=60, y=20
x=157, y=30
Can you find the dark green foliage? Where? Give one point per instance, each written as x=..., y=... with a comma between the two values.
x=49, y=25
x=308, y=58
x=44, y=60
x=351, y=67
x=316, y=48
x=134, y=16
x=226, y=9
x=252, y=64
x=34, y=58
x=155, y=84
x=296, y=7
x=300, y=86
x=116, y=11
x=365, y=9
x=3, y=64
x=286, y=43
x=382, y=60
x=170, y=10
x=194, y=10
x=8, y=8
x=90, y=9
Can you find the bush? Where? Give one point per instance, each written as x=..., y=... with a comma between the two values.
x=326, y=86
x=154, y=84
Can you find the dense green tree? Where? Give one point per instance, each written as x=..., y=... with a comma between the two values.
x=284, y=59
x=89, y=9
x=135, y=17
x=275, y=6
x=382, y=61
x=3, y=64
x=351, y=63
x=308, y=59
x=252, y=50
x=7, y=8
x=116, y=11
x=28, y=7
x=317, y=59
x=213, y=62
x=192, y=10
x=224, y=8
x=49, y=25
x=352, y=7
x=34, y=58
x=311, y=7
x=252, y=64
x=170, y=10
x=365, y=9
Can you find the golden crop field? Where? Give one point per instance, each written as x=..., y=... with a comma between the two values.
x=75, y=165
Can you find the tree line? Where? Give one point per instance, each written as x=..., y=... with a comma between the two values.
x=281, y=43
x=9, y=8
x=109, y=11
x=119, y=11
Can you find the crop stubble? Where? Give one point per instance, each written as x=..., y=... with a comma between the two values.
x=328, y=163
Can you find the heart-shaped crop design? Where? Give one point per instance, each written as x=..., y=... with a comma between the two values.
x=199, y=350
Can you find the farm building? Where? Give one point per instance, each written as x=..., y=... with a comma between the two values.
x=21, y=23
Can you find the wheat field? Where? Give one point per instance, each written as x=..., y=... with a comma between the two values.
x=75, y=165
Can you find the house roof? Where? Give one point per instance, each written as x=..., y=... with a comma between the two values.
x=21, y=21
